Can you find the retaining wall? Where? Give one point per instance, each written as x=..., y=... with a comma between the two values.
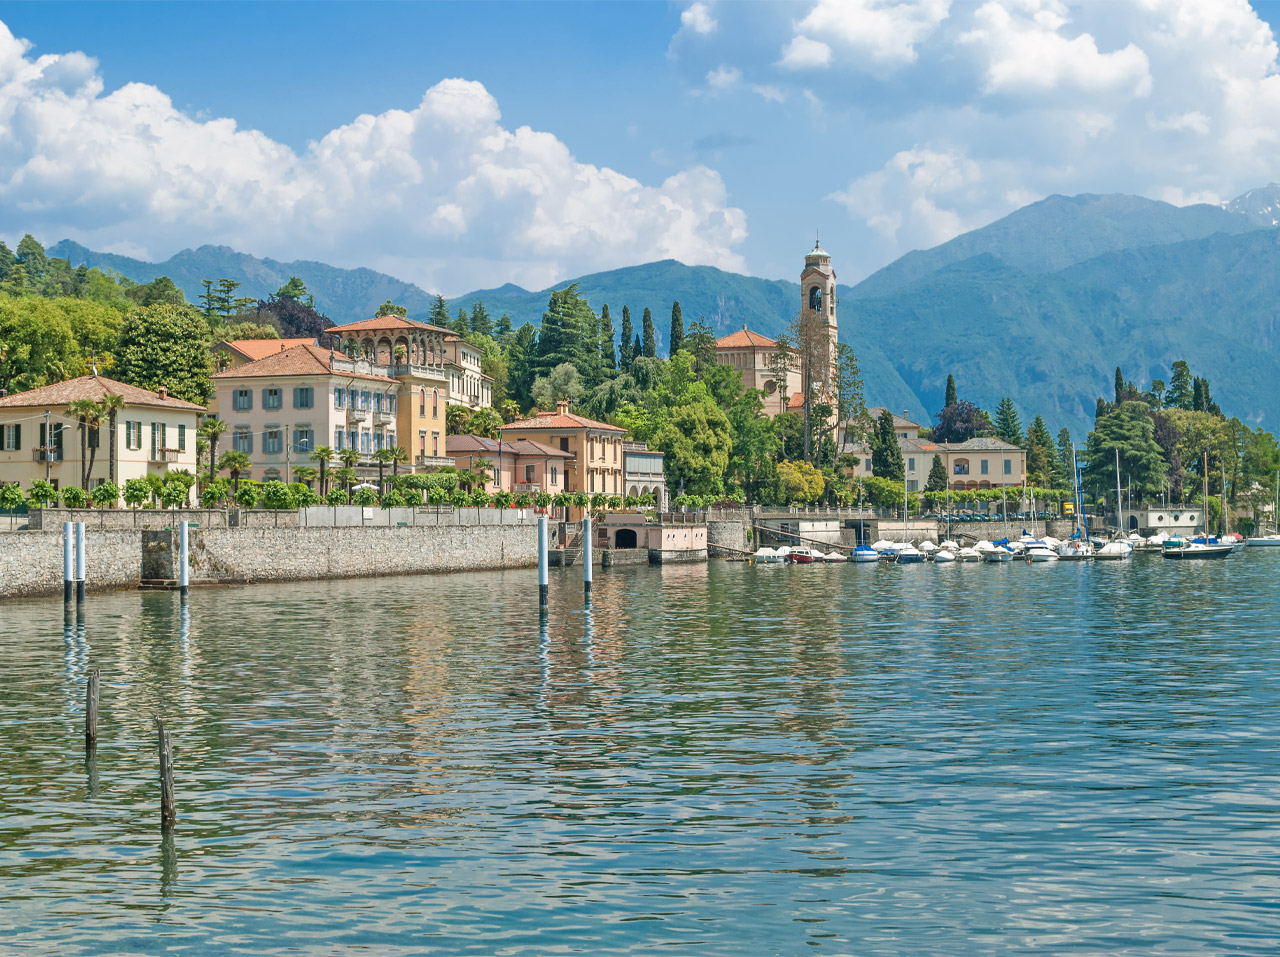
x=731, y=533
x=994, y=531
x=31, y=562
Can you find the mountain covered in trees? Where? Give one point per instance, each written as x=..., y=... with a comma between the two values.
x=1041, y=305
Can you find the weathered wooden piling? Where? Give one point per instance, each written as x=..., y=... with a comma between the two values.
x=91, y=709
x=167, y=813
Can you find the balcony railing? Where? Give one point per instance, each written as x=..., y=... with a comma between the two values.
x=164, y=455
x=423, y=461
x=383, y=417
x=47, y=454
x=529, y=488
x=357, y=415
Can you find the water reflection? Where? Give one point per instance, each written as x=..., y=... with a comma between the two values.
x=711, y=759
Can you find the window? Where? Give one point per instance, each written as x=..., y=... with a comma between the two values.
x=132, y=435
x=13, y=438
x=1008, y=466
x=528, y=473
x=564, y=445
x=338, y=436
x=555, y=476
x=353, y=440
x=913, y=485
x=304, y=397
x=422, y=435
x=365, y=398
x=182, y=438
x=422, y=403
x=271, y=398
x=435, y=403
x=242, y=400
x=302, y=440
x=985, y=470
x=57, y=438
x=364, y=441
x=242, y=441
x=815, y=298
x=157, y=438
x=272, y=442
x=339, y=398
x=391, y=402
x=377, y=402
x=911, y=464
x=435, y=443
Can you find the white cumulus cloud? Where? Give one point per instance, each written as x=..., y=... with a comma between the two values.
x=442, y=194
x=884, y=32
x=697, y=17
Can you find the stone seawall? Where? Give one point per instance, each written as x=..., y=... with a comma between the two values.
x=731, y=534
x=31, y=562
x=994, y=531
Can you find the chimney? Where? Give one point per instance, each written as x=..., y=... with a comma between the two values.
x=162, y=392
x=563, y=406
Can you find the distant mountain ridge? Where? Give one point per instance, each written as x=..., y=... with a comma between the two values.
x=1040, y=305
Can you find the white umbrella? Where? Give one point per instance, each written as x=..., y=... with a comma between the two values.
x=364, y=485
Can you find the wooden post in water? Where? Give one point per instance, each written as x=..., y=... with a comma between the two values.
x=167, y=813
x=91, y=710
x=543, y=589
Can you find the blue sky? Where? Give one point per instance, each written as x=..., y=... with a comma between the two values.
x=462, y=145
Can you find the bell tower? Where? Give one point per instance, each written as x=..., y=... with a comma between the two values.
x=818, y=294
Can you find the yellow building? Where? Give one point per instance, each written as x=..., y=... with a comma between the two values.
x=595, y=447
x=39, y=440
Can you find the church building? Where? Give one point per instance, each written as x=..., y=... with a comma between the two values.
x=755, y=355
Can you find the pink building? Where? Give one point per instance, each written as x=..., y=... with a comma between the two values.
x=516, y=465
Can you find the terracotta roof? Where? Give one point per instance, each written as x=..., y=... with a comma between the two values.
x=308, y=359
x=95, y=388
x=464, y=444
x=561, y=418
x=261, y=348
x=744, y=338
x=380, y=322
x=796, y=401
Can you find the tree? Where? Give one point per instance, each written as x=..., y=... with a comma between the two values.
x=389, y=308
x=462, y=324
x=850, y=401
x=43, y=492
x=1119, y=386
x=399, y=456
x=700, y=342
x=235, y=463
x=296, y=290
x=521, y=355
x=677, y=328
x=481, y=324
x=608, y=351
x=503, y=331
x=485, y=422
x=958, y=423
x=801, y=482
x=32, y=257
x=1042, y=459
x=1008, y=424
x=11, y=499
x=383, y=458
x=950, y=399
x=456, y=419
x=1127, y=430
x=696, y=442
x=439, y=315
x=212, y=429
x=625, y=352
x=886, y=455
x=1066, y=457
x=649, y=346
x=563, y=382
x=323, y=455
x=90, y=416
x=1179, y=394
x=166, y=346
x=112, y=404
x=937, y=481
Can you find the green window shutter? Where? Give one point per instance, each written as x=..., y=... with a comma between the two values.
x=17, y=436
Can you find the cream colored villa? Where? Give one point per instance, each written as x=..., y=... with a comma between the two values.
x=154, y=433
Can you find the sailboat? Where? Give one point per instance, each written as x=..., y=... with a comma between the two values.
x=1272, y=540
x=863, y=553
x=1183, y=550
x=1078, y=548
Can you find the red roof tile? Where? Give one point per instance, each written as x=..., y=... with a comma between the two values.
x=261, y=348
x=94, y=388
x=745, y=339
x=561, y=418
x=307, y=359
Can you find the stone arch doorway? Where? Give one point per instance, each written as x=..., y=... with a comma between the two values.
x=626, y=538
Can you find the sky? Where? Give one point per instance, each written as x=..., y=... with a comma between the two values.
x=465, y=145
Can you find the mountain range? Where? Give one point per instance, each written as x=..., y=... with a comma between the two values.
x=1040, y=305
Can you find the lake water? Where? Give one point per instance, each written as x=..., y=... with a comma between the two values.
x=716, y=759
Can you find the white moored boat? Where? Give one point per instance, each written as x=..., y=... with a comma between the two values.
x=767, y=556
x=943, y=556
x=1039, y=552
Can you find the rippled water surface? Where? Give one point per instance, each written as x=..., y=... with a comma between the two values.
x=715, y=759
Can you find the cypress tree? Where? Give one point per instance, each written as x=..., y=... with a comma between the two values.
x=1042, y=461
x=677, y=328
x=607, y=351
x=637, y=349
x=646, y=325
x=625, y=354
x=886, y=455
x=462, y=325
x=951, y=392
x=440, y=313
x=503, y=330
x=937, y=481
x=1119, y=386
x=480, y=321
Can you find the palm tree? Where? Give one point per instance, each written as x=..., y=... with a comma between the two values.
x=211, y=429
x=398, y=455
x=349, y=458
x=324, y=455
x=383, y=458
x=346, y=476
x=90, y=415
x=483, y=468
x=113, y=404
x=234, y=462
x=305, y=474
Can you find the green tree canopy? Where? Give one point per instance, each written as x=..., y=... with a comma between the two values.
x=886, y=455
x=1008, y=424
x=166, y=345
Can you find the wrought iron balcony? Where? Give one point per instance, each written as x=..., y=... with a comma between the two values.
x=423, y=461
x=47, y=454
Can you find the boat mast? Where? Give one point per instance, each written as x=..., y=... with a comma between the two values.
x=1076, y=498
x=1206, y=495
x=1119, y=498
x=1226, y=522
x=1004, y=512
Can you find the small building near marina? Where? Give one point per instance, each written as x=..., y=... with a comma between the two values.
x=1177, y=520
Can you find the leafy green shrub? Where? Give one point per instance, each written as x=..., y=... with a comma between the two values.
x=73, y=496
x=247, y=497
x=365, y=497
x=393, y=499
x=12, y=496
x=478, y=498
x=303, y=495
x=543, y=499
x=174, y=494
x=276, y=495
x=458, y=498
x=43, y=492
x=105, y=495
x=136, y=491
x=524, y=500
x=336, y=496
x=213, y=494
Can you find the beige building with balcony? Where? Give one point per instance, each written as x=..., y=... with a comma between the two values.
x=974, y=464
x=595, y=448
x=39, y=440
x=642, y=473
x=515, y=465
